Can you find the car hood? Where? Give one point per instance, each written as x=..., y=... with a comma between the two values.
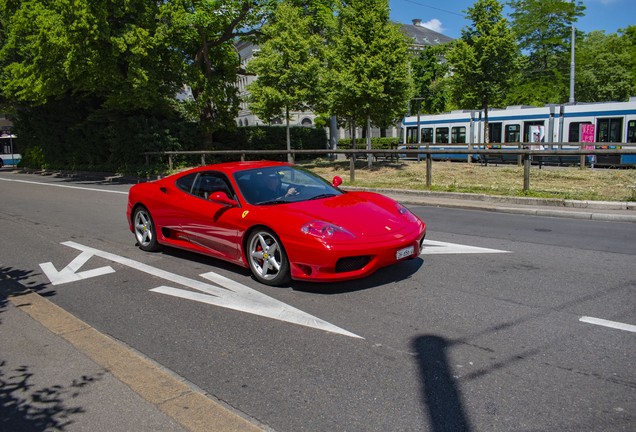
x=362, y=214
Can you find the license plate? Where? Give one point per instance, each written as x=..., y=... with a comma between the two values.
x=403, y=253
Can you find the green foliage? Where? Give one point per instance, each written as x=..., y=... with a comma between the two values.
x=368, y=72
x=484, y=59
x=289, y=66
x=376, y=143
x=202, y=33
x=72, y=135
x=268, y=138
x=430, y=71
x=606, y=68
x=112, y=50
x=543, y=29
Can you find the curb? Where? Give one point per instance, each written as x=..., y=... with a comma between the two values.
x=194, y=410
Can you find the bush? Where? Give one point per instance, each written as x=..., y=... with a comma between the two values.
x=361, y=143
x=269, y=138
x=79, y=135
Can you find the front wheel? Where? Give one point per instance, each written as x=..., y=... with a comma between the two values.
x=267, y=258
x=145, y=232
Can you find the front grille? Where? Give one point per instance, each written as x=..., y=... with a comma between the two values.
x=350, y=264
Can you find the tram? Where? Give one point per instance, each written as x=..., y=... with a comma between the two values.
x=9, y=150
x=609, y=125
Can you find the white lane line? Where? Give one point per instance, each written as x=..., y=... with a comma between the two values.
x=611, y=324
x=64, y=186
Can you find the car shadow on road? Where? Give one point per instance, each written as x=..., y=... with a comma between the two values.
x=391, y=274
x=439, y=392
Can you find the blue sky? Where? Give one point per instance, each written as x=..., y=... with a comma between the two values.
x=446, y=16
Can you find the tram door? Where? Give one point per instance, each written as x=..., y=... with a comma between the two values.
x=631, y=131
x=526, y=129
x=610, y=130
x=494, y=132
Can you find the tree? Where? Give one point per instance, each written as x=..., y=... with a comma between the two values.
x=288, y=66
x=543, y=30
x=368, y=72
x=430, y=71
x=605, y=68
x=203, y=32
x=110, y=50
x=544, y=27
x=484, y=59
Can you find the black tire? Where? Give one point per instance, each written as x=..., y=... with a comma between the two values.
x=267, y=257
x=144, y=229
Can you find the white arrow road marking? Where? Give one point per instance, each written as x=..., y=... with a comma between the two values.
x=432, y=247
x=606, y=323
x=68, y=273
x=230, y=294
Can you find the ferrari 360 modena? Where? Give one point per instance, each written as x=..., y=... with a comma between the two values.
x=280, y=220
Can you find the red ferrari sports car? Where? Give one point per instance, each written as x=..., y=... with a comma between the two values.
x=278, y=219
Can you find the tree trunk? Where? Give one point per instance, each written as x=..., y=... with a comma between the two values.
x=289, y=156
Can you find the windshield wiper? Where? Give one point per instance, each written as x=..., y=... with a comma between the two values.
x=272, y=202
x=322, y=196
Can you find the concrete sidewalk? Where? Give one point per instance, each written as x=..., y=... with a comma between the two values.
x=58, y=373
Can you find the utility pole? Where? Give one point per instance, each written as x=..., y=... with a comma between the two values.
x=572, y=67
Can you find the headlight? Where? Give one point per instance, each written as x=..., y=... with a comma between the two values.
x=326, y=231
x=406, y=213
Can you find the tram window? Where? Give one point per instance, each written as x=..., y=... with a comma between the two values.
x=631, y=131
x=441, y=135
x=494, y=132
x=610, y=130
x=513, y=133
x=574, y=131
x=458, y=135
x=427, y=135
x=411, y=135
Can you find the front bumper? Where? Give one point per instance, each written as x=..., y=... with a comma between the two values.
x=316, y=262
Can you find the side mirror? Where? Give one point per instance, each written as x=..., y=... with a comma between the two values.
x=221, y=198
x=337, y=181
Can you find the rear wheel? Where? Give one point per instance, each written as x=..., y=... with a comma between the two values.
x=267, y=258
x=145, y=232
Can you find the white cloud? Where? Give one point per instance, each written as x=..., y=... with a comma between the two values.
x=434, y=24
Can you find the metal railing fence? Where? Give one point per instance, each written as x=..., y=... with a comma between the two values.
x=525, y=155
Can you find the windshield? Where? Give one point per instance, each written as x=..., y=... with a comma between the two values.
x=282, y=185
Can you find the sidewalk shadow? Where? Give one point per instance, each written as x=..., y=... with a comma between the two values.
x=23, y=408
x=440, y=395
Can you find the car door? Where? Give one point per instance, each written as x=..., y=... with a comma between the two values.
x=210, y=225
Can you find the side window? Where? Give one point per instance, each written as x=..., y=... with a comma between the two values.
x=441, y=135
x=208, y=183
x=513, y=133
x=185, y=182
x=427, y=135
x=458, y=135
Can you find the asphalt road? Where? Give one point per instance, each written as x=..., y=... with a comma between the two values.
x=475, y=341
